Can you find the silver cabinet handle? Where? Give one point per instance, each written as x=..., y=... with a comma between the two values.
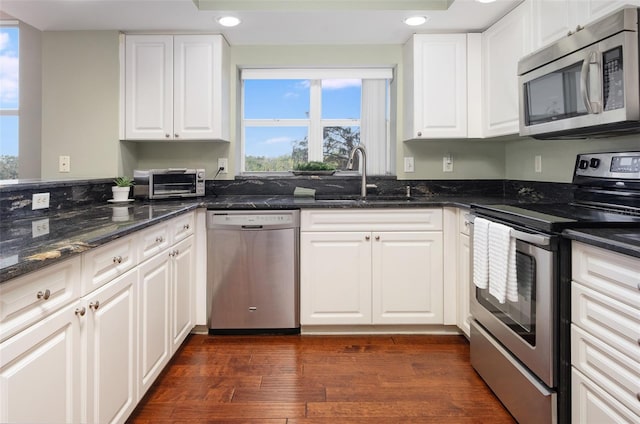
x=159, y=239
x=44, y=294
x=367, y=238
x=377, y=238
x=177, y=135
x=117, y=259
x=94, y=305
x=419, y=133
x=81, y=311
x=186, y=226
x=167, y=136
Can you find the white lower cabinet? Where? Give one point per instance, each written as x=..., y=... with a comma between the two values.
x=407, y=278
x=605, y=329
x=69, y=359
x=463, y=257
x=388, y=275
x=182, y=292
x=154, y=314
x=110, y=338
x=40, y=373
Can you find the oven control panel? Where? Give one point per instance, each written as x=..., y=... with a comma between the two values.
x=624, y=166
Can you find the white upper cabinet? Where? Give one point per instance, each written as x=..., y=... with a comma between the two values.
x=176, y=87
x=502, y=46
x=435, y=86
x=554, y=19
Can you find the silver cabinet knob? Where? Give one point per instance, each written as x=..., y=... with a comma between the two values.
x=186, y=226
x=81, y=311
x=94, y=305
x=44, y=294
x=117, y=259
x=159, y=239
x=167, y=136
x=419, y=133
x=177, y=135
x=367, y=238
x=377, y=238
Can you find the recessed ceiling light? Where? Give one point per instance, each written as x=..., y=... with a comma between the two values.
x=485, y=1
x=228, y=21
x=416, y=20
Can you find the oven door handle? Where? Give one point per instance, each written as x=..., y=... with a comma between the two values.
x=537, y=239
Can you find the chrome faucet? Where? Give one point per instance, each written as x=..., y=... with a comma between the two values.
x=363, y=167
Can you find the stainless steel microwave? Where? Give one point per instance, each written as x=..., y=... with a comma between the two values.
x=167, y=183
x=584, y=85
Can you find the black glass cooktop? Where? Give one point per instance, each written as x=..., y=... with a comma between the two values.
x=555, y=217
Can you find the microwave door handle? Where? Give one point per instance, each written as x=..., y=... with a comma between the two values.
x=593, y=107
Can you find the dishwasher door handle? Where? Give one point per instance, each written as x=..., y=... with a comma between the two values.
x=251, y=227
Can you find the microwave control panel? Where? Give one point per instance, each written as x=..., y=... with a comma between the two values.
x=612, y=79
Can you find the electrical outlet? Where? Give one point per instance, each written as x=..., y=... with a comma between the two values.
x=64, y=164
x=447, y=163
x=223, y=163
x=40, y=228
x=39, y=201
x=408, y=164
x=538, y=163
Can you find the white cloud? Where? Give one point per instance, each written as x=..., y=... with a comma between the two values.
x=8, y=78
x=4, y=40
x=278, y=140
x=337, y=84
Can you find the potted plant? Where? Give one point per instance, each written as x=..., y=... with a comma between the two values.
x=121, y=189
x=314, y=168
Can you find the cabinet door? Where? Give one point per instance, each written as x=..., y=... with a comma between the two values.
x=407, y=278
x=149, y=87
x=111, y=338
x=439, y=92
x=552, y=20
x=40, y=371
x=196, y=58
x=464, y=282
x=590, y=404
x=154, y=296
x=503, y=45
x=335, y=278
x=182, y=280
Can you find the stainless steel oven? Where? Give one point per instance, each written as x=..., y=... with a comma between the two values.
x=513, y=344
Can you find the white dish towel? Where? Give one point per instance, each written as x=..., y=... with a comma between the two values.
x=503, y=280
x=481, y=253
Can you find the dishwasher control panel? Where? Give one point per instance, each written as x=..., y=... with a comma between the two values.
x=261, y=219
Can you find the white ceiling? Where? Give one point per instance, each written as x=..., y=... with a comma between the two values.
x=257, y=27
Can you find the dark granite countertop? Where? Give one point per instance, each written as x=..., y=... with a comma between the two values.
x=72, y=231
x=621, y=240
x=78, y=229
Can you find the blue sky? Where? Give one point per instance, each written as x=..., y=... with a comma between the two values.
x=8, y=89
x=290, y=99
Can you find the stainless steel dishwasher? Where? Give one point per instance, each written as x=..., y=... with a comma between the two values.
x=252, y=271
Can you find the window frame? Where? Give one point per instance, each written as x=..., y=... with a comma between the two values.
x=12, y=23
x=314, y=123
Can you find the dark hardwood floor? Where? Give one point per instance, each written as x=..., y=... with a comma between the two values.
x=321, y=379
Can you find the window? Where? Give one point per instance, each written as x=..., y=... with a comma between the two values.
x=9, y=106
x=293, y=116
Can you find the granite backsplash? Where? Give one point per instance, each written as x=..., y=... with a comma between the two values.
x=15, y=199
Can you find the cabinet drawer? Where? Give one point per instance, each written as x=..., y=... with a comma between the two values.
x=153, y=240
x=371, y=220
x=614, y=274
x=30, y=298
x=101, y=265
x=617, y=374
x=590, y=404
x=181, y=227
x=613, y=322
x=464, y=225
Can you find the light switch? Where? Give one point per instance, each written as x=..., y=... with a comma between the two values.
x=408, y=164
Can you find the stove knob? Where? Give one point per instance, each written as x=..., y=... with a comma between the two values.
x=584, y=164
x=594, y=163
